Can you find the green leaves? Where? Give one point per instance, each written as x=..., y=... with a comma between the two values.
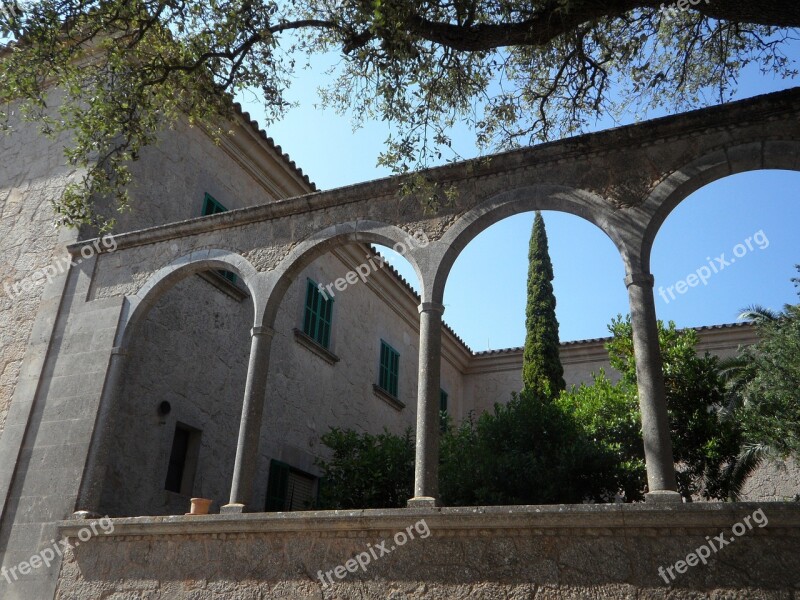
x=705, y=445
x=527, y=451
x=542, y=372
x=367, y=471
x=514, y=72
x=766, y=382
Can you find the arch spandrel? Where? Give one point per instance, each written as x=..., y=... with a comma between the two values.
x=318, y=244
x=708, y=168
x=631, y=177
x=136, y=305
x=560, y=198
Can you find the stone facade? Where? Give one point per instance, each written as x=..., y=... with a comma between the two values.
x=55, y=355
x=192, y=352
x=150, y=321
x=490, y=553
x=32, y=176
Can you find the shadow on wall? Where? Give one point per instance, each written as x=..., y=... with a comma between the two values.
x=177, y=418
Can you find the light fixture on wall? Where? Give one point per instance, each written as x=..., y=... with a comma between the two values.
x=164, y=408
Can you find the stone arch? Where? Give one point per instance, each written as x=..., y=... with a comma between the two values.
x=581, y=203
x=137, y=305
x=711, y=167
x=314, y=246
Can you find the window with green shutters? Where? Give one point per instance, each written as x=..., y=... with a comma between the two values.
x=389, y=369
x=288, y=488
x=212, y=207
x=442, y=410
x=318, y=315
x=277, y=485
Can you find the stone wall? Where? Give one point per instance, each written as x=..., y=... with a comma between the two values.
x=192, y=351
x=173, y=175
x=32, y=175
x=590, y=551
x=56, y=340
x=774, y=481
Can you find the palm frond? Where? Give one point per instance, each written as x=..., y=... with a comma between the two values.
x=758, y=314
x=738, y=472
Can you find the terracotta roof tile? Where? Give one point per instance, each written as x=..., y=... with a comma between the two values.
x=271, y=143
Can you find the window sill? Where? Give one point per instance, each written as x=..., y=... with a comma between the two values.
x=226, y=286
x=311, y=344
x=388, y=398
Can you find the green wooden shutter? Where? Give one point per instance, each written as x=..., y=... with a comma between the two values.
x=317, y=317
x=212, y=207
x=388, y=376
x=277, y=486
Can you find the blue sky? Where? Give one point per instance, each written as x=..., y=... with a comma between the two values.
x=485, y=294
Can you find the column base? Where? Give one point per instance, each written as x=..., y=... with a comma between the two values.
x=232, y=509
x=423, y=502
x=663, y=497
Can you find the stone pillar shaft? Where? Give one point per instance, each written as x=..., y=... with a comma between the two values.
x=244, y=469
x=426, y=471
x=652, y=393
x=90, y=493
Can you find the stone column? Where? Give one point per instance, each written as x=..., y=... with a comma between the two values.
x=90, y=493
x=426, y=471
x=652, y=393
x=244, y=469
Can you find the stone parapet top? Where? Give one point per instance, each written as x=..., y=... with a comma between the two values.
x=715, y=516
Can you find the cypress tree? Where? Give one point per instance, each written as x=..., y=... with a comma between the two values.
x=542, y=372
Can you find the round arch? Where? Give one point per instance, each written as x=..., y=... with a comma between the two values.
x=580, y=203
x=137, y=305
x=711, y=167
x=311, y=248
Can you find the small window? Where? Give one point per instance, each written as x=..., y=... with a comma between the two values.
x=212, y=207
x=442, y=410
x=183, y=460
x=317, y=315
x=288, y=488
x=389, y=368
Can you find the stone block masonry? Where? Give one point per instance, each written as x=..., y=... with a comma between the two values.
x=541, y=552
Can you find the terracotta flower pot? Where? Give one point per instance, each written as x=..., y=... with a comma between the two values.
x=200, y=506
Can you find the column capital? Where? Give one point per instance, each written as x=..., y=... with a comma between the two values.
x=263, y=330
x=639, y=279
x=431, y=307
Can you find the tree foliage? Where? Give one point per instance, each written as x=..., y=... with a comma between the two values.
x=765, y=385
x=527, y=451
x=367, y=471
x=542, y=372
x=515, y=72
x=609, y=415
x=705, y=446
x=586, y=445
